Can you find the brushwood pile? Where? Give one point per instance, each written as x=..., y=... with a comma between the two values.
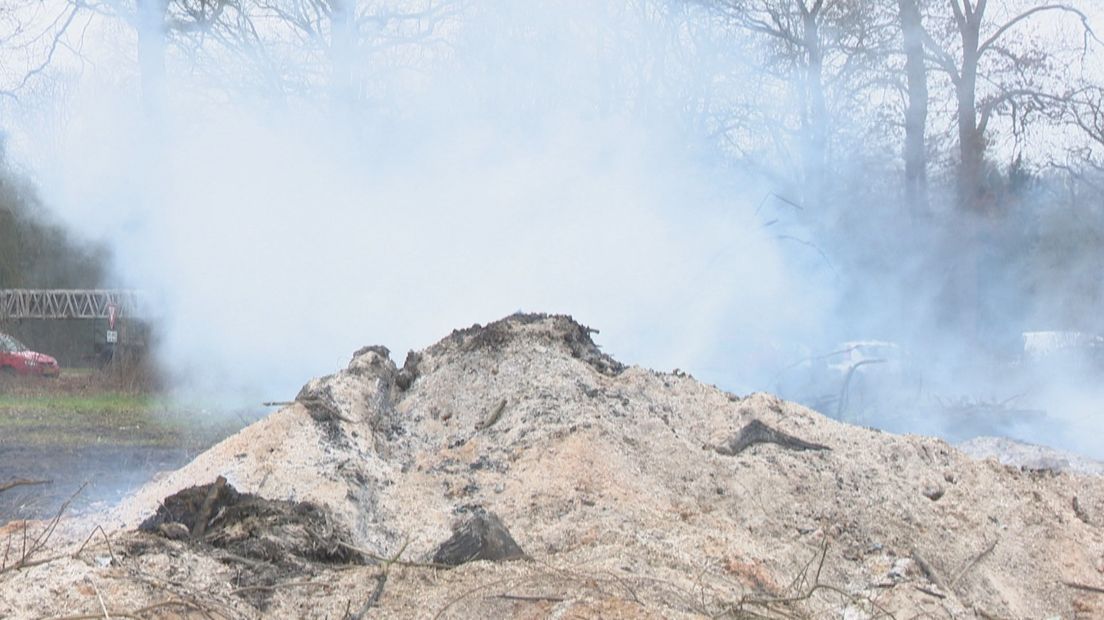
x=514, y=470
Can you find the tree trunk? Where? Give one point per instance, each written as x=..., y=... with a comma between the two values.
x=150, y=23
x=342, y=46
x=815, y=115
x=916, y=114
x=970, y=143
x=968, y=235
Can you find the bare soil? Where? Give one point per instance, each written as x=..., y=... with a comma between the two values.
x=103, y=474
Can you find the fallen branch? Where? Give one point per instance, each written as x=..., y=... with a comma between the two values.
x=19, y=482
x=801, y=579
x=530, y=599
x=181, y=595
x=381, y=580
x=374, y=598
x=930, y=592
x=137, y=613
x=1083, y=587
x=233, y=557
x=929, y=571
x=280, y=586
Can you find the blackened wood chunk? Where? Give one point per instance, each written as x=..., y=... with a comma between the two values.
x=482, y=536
x=758, y=432
x=409, y=372
x=275, y=531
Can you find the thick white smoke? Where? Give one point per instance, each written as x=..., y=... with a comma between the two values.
x=511, y=175
x=551, y=156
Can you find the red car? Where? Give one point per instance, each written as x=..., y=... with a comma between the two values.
x=17, y=359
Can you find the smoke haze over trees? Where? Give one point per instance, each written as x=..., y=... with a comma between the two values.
x=727, y=186
x=35, y=251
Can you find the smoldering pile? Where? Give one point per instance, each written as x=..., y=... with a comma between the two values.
x=273, y=539
x=615, y=491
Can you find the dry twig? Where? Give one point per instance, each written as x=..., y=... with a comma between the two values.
x=106, y=538
x=531, y=599
x=930, y=592
x=1083, y=587
x=381, y=580
x=962, y=572
x=39, y=543
x=775, y=606
x=136, y=614
x=929, y=571
x=279, y=586
x=99, y=597
x=395, y=561
x=465, y=594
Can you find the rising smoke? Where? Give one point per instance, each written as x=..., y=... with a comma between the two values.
x=554, y=156
x=510, y=176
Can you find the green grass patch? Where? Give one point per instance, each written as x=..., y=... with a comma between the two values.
x=108, y=418
x=104, y=402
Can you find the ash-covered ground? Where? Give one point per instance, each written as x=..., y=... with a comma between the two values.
x=627, y=492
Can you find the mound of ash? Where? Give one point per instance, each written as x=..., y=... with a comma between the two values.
x=633, y=493
x=553, y=329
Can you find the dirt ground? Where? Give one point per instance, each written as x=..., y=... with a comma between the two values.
x=631, y=493
x=94, y=477
x=89, y=442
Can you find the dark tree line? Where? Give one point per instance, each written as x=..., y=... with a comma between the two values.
x=36, y=252
x=987, y=150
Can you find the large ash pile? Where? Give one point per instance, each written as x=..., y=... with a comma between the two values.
x=559, y=482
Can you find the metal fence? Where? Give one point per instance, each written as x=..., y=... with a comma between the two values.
x=18, y=304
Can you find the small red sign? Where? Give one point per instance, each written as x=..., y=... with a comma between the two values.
x=112, y=312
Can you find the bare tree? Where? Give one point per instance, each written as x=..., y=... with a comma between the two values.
x=153, y=21
x=31, y=37
x=148, y=20
x=964, y=61
x=916, y=112
x=830, y=55
x=1086, y=111
x=793, y=31
x=330, y=42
